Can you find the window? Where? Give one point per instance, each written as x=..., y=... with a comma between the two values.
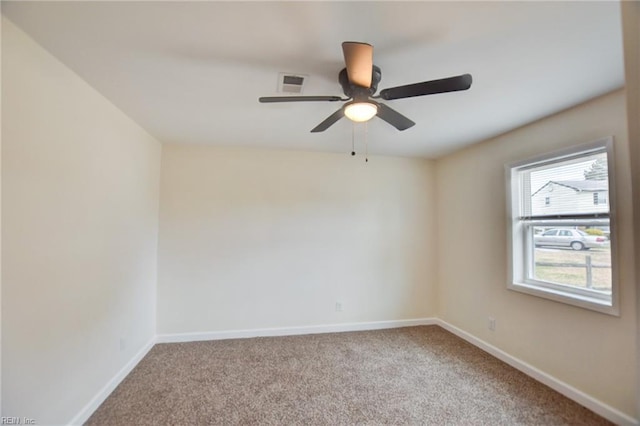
x=599, y=198
x=559, y=228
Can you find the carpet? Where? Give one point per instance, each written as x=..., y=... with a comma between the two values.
x=413, y=375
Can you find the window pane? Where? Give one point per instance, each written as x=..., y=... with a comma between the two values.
x=569, y=187
x=579, y=257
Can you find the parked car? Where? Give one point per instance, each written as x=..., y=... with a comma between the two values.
x=567, y=237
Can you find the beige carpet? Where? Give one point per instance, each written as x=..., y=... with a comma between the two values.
x=414, y=375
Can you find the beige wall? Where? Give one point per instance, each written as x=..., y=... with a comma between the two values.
x=591, y=351
x=631, y=32
x=257, y=239
x=80, y=185
x=1, y=25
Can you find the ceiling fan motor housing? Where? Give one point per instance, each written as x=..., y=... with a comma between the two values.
x=358, y=92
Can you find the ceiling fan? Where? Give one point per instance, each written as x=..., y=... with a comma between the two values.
x=359, y=81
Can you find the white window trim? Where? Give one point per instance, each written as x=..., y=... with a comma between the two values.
x=516, y=244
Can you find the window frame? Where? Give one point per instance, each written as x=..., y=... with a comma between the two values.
x=520, y=248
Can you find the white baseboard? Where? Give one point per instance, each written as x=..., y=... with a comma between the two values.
x=291, y=331
x=99, y=398
x=565, y=389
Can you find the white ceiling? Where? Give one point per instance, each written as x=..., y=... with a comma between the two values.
x=191, y=72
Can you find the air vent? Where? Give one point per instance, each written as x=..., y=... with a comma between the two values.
x=291, y=83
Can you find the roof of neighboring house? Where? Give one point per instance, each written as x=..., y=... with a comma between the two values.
x=579, y=185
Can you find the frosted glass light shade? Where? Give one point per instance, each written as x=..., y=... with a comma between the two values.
x=360, y=111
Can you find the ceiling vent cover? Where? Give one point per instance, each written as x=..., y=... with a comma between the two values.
x=291, y=83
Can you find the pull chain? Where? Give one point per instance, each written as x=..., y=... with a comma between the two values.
x=366, y=142
x=353, y=138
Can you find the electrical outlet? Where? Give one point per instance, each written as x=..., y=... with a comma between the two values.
x=338, y=306
x=123, y=344
x=492, y=324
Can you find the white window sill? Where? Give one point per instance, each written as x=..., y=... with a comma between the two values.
x=567, y=297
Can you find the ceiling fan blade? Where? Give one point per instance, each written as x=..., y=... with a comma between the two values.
x=329, y=121
x=358, y=57
x=451, y=84
x=393, y=117
x=270, y=99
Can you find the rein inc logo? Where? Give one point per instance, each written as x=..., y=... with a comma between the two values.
x=17, y=421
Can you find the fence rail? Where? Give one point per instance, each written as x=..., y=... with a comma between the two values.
x=588, y=265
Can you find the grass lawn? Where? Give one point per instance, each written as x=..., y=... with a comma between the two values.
x=574, y=275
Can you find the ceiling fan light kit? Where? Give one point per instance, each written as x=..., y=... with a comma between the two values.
x=359, y=81
x=360, y=111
